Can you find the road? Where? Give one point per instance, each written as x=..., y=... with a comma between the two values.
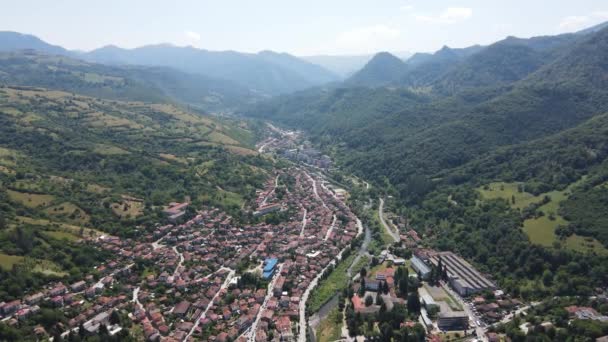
x=304, y=299
x=331, y=228
x=315, y=191
x=276, y=184
x=390, y=231
x=253, y=328
x=156, y=244
x=303, y=223
x=204, y=313
x=181, y=261
x=135, y=298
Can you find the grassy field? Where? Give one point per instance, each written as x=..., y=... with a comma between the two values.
x=335, y=283
x=507, y=191
x=541, y=230
x=7, y=261
x=73, y=229
x=221, y=138
x=387, y=239
x=172, y=157
x=128, y=208
x=378, y=268
x=62, y=235
x=97, y=189
x=30, y=200
x=330, y=328
x=440, y=295
x=363, y=262
x=35, y=265
x=225, y=199
x=72, y=211
x=109, y=150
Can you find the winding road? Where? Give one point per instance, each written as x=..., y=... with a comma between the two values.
x=387, y=227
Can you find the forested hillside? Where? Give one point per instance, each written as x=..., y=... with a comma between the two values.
x=505, y=149
x=73, y=165
x=149, y=84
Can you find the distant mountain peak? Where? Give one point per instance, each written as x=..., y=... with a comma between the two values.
x=384, y=68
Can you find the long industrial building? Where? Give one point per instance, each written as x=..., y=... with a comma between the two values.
x=463, y=277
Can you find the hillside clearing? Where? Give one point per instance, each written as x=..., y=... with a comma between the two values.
x=29, y=199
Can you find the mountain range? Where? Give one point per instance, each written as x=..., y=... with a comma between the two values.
x=264, y=73
x=464, y=116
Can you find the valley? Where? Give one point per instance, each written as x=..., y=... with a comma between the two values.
x=170, y=192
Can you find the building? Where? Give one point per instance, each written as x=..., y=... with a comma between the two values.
x=176, y=210
x=270, y=265
x=423, y=270
x=463, y=277
x=428, y=301
x=266, y=209
x=454, y=320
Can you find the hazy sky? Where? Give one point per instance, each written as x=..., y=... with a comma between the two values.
x=298, y=27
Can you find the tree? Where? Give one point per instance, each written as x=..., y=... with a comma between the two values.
x=403, y=287
x=413, y=303
x=362, y=288
x=81, y=331
x=114, y=317
x=103, y=330
x=363, y=272
x=369, y=300
x=385, y=287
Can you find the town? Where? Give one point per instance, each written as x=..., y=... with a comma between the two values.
x=205, y=276
x=209, y=278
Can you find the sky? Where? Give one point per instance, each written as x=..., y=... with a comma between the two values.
x=310, y=27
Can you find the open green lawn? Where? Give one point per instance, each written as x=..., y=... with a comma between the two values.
x=330, y=328
x=335, y=283
x=541, y=230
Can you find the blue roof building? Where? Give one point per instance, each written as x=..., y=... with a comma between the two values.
x=269, y=267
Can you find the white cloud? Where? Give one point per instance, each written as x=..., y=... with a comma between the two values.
x=578, y=22
x=574, y=22
x=406, y=8
x=193, y=36
x=450, y=15
x=368, y=39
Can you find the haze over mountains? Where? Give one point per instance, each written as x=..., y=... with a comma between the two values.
x=266, y=73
